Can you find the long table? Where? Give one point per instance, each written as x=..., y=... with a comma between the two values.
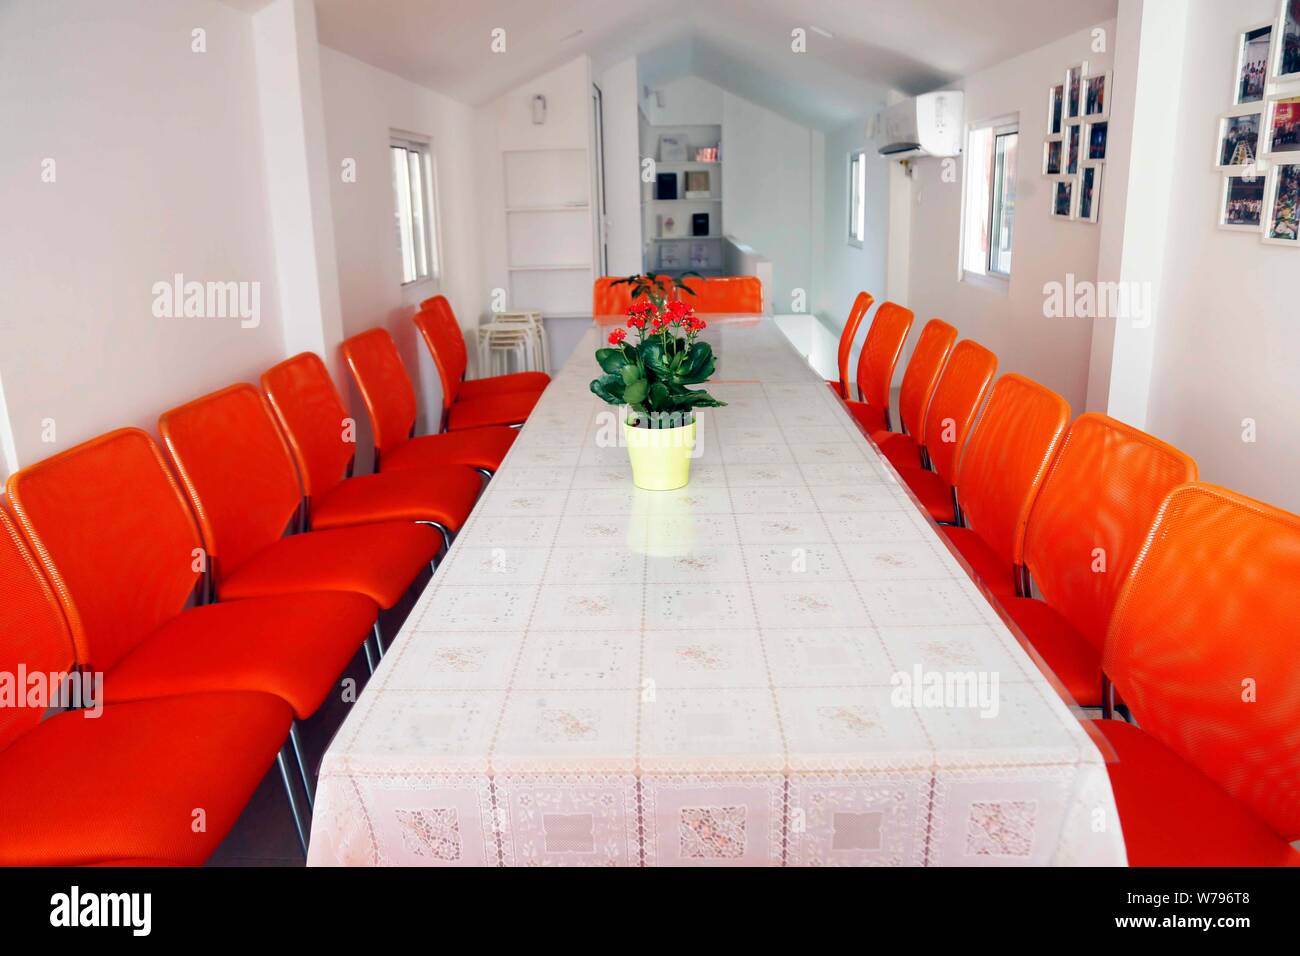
x=780, y=664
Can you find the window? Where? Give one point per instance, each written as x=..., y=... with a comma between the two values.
x=989, y=214
x=857, y=197
x=413, y=192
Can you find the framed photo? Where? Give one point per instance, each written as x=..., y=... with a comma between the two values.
x=1283, y=130
x=1053, y=156
x=1282, y=209
x=1055, y=109
x=1073, y=147
x=1286, y=45
x=1089, y=189
x=672, y=149
x=1238, y=139
x=671, y=227
x=1096, y=140
x=1063, y=198
x=697, y=184
x=1253, y=51
x=1096, y=96
x=1242, y=206
x=1074, y=90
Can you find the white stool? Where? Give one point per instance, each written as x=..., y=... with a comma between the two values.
x=518, y=334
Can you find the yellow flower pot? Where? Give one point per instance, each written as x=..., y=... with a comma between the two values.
x=661, y=457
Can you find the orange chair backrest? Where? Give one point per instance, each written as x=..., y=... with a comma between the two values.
x=441, y=332
x=861, y=305
x=116, y=538
x=724, y=294
x=1202, y=645
x=1093, y=513
x=933, y=347
x=384, y=385
x=880, y=351
x=610, y=299
x=33, y=633
x=317, y=427
x=1011, y=447
x=964, y=382
x=237, y=471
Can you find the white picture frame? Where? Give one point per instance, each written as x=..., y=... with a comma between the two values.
x=1073, y=151
x=1277, y=175
x=1074, y=90
x=1069, y=184
x=1285, y=22
x=1056, y=110
x=1087, y=205
x=1087, y=147
x=1289, y=100
x=1091, y=83
x=672, y=148
x=1233, y=182
x=1223, y=159
x=1244, y=40
x=1059, y=143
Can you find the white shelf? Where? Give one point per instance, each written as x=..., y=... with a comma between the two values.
x=574, y=207
x=688, y=164
x=565, y=267
x=646, y=202
x=682, y=238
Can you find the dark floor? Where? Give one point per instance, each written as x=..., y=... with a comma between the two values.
x=264, y=834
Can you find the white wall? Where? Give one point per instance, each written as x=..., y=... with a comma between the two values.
x=1225, y=345
x=846, y=269
x=1054, y=351
x=363, y=107
x=159, y=170
x=618, y=90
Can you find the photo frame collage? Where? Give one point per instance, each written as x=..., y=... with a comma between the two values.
x=1257, y=146
x=1074, y=150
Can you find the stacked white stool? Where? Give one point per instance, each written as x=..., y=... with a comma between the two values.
x=512, y=335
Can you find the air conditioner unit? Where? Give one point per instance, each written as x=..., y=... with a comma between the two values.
x=928, y=125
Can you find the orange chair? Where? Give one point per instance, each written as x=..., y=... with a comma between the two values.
x=315, y=423
x=610, y=299
x=1087, y=524
x=999, y=474
x=878, y=359
x=861, y=305
x=389, y=398
x=736, y=294
x=932, y=350
x=241, y=481
x=442, y=334
x=120, y=545
x=1202, y=647
x=121, y=787
x=957, y=398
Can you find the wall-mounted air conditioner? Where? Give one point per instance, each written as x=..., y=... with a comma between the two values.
x=927, y=125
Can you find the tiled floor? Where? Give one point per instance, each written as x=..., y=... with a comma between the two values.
x=264, y=834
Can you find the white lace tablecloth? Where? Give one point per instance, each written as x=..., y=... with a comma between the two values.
x=780, y=664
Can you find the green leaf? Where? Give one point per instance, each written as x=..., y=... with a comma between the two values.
x=699, y=365
x=609, y=388
x=659, y=399
x=630, y=374
x=635, y=392
x=611, y=360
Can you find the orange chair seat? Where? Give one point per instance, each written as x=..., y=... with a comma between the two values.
x=293, y=646
x=1173, y=815
x=870, y=417
x=476, y=447
x=473, y=388
x=901, y=450
x=1066, y=652
x=509, y=408
x=932, y=491
x=994, y=573
x=377, y=560
x=445, y=495
x=126, y=785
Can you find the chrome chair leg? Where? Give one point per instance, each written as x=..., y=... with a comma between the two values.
x=485, y=473
x=308, y=787
x=298, y=821
x=366, y=645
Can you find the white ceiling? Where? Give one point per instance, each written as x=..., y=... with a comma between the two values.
x=743, y=45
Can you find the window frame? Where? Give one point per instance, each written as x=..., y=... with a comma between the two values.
x=857, y=158
x=998, y=127
x=428, y=220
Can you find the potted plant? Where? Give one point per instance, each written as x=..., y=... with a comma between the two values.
x=650, y=377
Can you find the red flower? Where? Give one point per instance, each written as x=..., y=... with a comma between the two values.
x=617, y=336
x=678, y=311
x=636, y=322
